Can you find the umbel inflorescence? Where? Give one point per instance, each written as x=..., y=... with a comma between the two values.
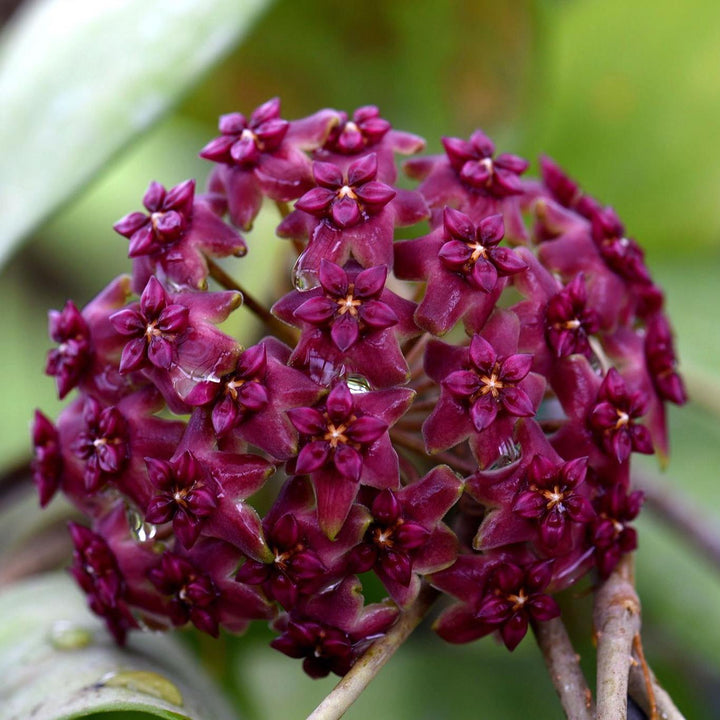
x=226, y=482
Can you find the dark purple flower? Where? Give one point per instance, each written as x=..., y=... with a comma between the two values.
x=490, y=384
x=95, y=569
x=350, y=321
x=193, y=596
x=154, y=326
x=661, y=360
x=552, y=500
x=71, y=358
x=263, y=155
x=331, y=630
x=350, y=214
x=176, y=235
x=407, y=536
x=187, y=495
x=569, y=321
x=462, y=264
x=344, y=441
x=508, y=597
x=612, y=419
x=103, y=444
x=610, y=534
x=47, y=463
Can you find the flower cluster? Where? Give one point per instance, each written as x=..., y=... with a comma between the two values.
x=225, y=483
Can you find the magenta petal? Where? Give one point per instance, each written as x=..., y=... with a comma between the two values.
x=160, y=510
x=285, y=531
x=218, y=149
x=153, y=299
x=142, y=242
x=482, y=353
x=483, y=412
x=316, y=201
x=544, y=608
x=333, y=279
x=410, y=535
x=253, y=396
x=386, y=507
x=370, y=283
x=345, y=212
x=160, y=352
x=133, y=355
x=339, y=403
x=312, y=457
x=397, y=565
x=327, y=175
x=187, y=528
x=308, y=421
x=363, y=170
x=366, y=429
x=317, y=310
x=458, y=225
x=514, y=630
x=484, y=275
x=154, y=196
x=375, y=194
x=224, y=415
x=130, y=223
x=507, y=261
x=173, y=319
x=348, y=462
x=345, y=332
x=529, y=505
x=491, y=229
x=378, y=315
x=462, y=383
x=455, y=254
x=517, y=402
x=515, y=367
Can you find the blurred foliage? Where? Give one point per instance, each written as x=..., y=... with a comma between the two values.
x=627, y=97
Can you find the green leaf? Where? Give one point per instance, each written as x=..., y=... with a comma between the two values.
x=80, y=78
x=57, y=662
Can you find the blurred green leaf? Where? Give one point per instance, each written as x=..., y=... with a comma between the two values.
x=628, y=103
x=57, y=661
x=80, y=78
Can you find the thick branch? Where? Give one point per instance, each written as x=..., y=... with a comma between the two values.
x=681, y=514
x=564, y=667
x=617, y=621
x=367, y=667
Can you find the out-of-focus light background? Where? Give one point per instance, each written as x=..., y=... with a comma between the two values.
x=626, y=96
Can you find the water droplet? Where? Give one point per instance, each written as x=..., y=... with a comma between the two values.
x=141, y=530
x=358, y=384
x=303, y=278
x=509, y=452
x=146, y=682
x=65, y=635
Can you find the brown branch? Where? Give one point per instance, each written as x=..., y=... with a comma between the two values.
x=644, y=688
x=278, y=327
x=369, y=664
x=691, y=522
x=564, y=668
x=616, y=617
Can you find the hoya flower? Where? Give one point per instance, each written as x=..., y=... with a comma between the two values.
x=368, y=132
x=462, y=264
x=47, y=461
x=175, y=235
x=406, y=536
x=611, y=534
x=345, y=441
x=506, y=598
x=350, y=214
x=332, y=629
x=262, y=155
x=350, y=321
x=484, y=390
x=613, y=419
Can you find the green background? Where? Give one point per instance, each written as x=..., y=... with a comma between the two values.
x=627, y=97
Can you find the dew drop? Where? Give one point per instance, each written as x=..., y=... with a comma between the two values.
x=303, y=278
x=357, y=384
x=65, y=635
x=141, y=530
x=508, y=453
x=146, y=682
